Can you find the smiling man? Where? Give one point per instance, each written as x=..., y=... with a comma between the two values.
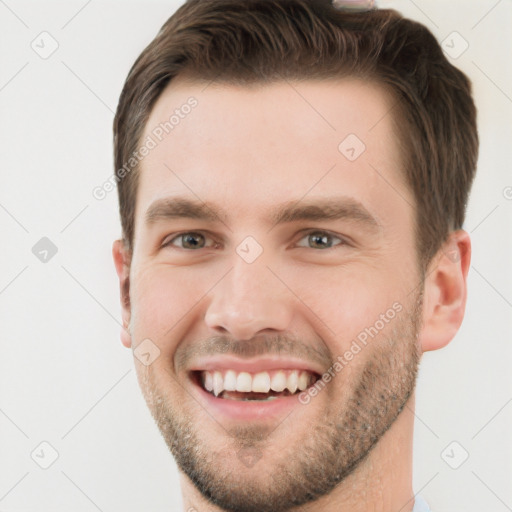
x=293, y=178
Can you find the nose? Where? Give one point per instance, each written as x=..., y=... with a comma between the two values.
x=248, y=301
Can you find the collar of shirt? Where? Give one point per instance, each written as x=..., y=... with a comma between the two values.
x=420, y=505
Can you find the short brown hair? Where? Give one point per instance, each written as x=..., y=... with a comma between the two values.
x=251, y=41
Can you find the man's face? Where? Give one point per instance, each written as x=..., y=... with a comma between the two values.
x=249, y=297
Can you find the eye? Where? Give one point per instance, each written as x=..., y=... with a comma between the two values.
x=321, y=240
x=189, y=240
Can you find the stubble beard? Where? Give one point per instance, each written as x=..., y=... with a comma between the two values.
x=329, y=452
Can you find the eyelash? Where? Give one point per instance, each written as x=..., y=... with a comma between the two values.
x=343, y=241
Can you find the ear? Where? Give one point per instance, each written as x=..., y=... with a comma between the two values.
x=445, y=292
x=122, y=260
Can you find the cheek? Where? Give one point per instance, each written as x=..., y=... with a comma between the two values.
x=168, y=300
x=348, y=300
x=162, y=297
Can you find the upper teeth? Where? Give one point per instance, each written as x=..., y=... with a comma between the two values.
x=261, y=382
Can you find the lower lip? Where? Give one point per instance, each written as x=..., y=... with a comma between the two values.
x=249, y=410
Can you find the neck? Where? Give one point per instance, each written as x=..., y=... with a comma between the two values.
x=382, y=482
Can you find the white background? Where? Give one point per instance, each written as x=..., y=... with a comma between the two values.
x=66, y=379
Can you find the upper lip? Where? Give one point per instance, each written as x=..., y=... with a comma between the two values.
x=253, y=365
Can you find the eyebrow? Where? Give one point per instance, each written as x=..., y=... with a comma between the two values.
x=325, y=209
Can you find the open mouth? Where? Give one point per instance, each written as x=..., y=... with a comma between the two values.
x=261, y=386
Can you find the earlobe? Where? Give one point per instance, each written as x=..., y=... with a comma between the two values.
x=122, y=263
x=445, y=292
x=126, y=338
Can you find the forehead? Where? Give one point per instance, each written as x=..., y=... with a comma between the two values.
x=250, y=147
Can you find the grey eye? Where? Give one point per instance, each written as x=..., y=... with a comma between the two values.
x=189, y=240
x=319, y=240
